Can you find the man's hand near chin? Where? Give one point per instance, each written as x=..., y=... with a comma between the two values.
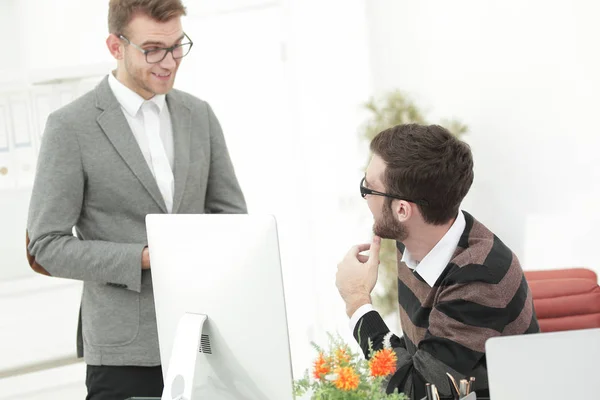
x=357, y=275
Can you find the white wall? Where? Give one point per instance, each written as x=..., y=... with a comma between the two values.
x=11, y=57
x=63, y=33
x=328, y=74
x=523, y=76
x=14, y=203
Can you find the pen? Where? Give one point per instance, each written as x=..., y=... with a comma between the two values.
x=428, y=391
x=464, y=387
x=453, y=387
x=436, y=395
x=471, y=384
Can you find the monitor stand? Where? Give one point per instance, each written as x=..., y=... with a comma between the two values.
x=188, y=346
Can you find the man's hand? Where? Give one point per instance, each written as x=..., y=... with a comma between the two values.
x=145, y=258
x=357, y=275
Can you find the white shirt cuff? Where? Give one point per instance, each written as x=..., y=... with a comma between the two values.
x=358, y=314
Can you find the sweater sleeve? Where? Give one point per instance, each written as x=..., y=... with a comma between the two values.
x=464, y=316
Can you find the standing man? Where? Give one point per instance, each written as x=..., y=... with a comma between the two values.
x=132, y=146
x=458, y=284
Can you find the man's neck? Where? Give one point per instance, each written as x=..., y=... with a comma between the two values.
x=123, y=78
x=424, y=238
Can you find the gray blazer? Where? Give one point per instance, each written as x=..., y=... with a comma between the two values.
x=91, y=175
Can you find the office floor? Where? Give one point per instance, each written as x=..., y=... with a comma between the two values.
x=65, y=383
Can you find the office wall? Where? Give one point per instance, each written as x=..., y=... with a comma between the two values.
x=523, y=76
x=64, y=33
x=11, y=58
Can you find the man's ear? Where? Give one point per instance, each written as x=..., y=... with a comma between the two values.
x=402, y=210
x=115, y=46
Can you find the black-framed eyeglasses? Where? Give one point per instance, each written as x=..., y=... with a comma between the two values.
x=364, y=191
x=156, y=55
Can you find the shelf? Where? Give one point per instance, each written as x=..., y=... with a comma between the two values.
x=65, y=74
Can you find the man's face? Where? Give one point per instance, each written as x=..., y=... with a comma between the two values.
x=386, y=224
x=144, y=78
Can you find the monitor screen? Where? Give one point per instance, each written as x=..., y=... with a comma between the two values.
x=220, y=306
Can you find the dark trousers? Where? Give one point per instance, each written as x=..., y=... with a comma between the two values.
x=106, y=382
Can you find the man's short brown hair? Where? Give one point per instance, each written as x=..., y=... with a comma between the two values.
x=428, y=163
x=121, y=12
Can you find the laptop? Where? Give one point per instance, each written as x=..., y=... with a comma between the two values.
x=545, y=366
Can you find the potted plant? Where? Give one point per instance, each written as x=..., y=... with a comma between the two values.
x=340, y=374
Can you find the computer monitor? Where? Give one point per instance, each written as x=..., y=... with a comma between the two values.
x=549, y=366
x=220, y=307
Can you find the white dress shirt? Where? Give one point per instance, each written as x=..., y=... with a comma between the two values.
x=431, y=266
x=150, y=122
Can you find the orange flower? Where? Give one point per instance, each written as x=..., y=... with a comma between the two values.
x=321, y=367
x=347, y=378
x=341, y=357
x=383, y=362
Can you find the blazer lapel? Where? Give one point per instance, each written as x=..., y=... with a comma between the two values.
x=181, y=121
x=115, y=126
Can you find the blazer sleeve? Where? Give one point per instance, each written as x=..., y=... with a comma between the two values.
x=223, y=193
x=56, y=203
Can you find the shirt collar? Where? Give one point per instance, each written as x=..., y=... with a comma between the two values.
x=130, y=100
x=433, y=264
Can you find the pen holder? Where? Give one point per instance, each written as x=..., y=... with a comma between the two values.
x=470, y=396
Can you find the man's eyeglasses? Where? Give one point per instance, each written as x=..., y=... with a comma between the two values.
x=364, y=191
x=156, y=55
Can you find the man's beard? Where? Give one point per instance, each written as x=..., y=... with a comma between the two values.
x=387, y=227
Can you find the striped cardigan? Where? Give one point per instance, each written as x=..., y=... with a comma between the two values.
x=482, y=293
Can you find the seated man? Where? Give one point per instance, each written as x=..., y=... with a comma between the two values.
x=458, y=284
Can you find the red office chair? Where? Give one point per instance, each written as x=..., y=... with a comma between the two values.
x=565, y=299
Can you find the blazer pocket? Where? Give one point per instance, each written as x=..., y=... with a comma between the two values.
x=110, y=315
